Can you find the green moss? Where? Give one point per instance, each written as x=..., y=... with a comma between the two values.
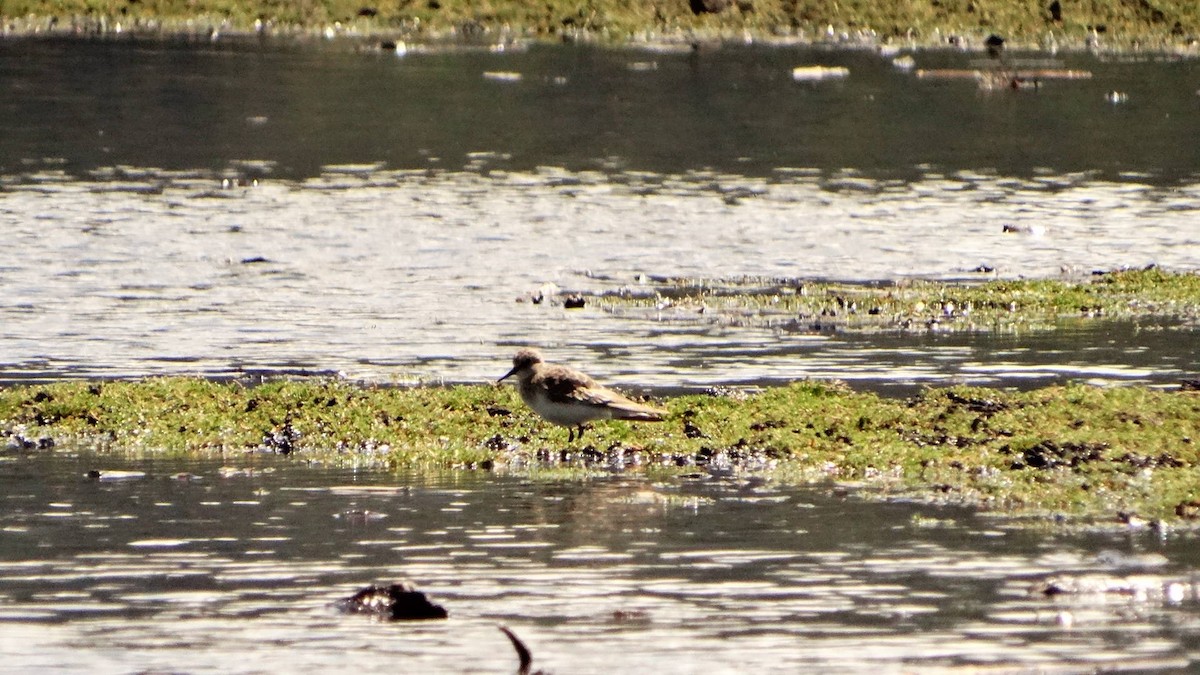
x=1069, y=450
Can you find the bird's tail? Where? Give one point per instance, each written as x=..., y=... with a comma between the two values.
x=637, y=412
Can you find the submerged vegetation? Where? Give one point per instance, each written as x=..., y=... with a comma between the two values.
x=930, y=22
x=1077, y=451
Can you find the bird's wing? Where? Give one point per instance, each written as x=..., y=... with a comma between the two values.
x=564, y=385
x=621, y=407
x=567, y=385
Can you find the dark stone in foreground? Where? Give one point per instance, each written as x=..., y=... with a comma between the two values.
x=398, y=602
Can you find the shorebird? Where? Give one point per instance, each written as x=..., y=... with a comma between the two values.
x=569, y=398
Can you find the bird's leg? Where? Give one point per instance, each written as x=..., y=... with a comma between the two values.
x=571, y=434
x=579, y=436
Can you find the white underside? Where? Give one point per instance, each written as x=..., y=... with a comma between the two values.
x=567, y=414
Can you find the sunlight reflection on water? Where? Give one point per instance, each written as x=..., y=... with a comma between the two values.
x=414, y=276
x=724, y=575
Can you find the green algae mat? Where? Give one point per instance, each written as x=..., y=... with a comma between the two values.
x=1118, y=453
x=1122, y=452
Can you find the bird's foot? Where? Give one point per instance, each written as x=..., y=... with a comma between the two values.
x=576, y=433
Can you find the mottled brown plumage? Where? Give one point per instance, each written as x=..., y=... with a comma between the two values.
x=569, y=398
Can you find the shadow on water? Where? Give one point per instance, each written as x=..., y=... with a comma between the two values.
x=191, y=566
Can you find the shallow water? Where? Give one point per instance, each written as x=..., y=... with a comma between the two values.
x=403, y=206
x=403, y=276
x=234, y=571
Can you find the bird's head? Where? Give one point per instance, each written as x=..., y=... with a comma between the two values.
x=523, y=362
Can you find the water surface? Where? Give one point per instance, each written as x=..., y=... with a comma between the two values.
x=233, y=209
x=233, y=568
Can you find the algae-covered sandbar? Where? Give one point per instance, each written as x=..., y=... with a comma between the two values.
x=1108, y=453
x=1149, y=294
x=1076, y=450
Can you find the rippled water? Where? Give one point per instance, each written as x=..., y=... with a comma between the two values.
x=397, y=276
x=404, y=205
x=225, y=210
x=225, y=570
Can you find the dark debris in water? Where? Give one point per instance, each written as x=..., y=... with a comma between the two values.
x=397, y=602
x=1136, y=587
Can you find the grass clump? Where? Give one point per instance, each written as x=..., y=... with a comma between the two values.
x=1029, y=21
x=1073, y=450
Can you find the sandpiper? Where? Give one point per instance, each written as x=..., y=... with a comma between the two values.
x=569, y=398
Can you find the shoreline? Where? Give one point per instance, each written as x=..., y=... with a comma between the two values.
x=685, y=32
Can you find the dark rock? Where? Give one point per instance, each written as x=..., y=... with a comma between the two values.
x=1189, y=510
x=574, y=302
x=497, y=443
x=283, y=439
x=984, y=406
x=1052, y=455
x=397, y=602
